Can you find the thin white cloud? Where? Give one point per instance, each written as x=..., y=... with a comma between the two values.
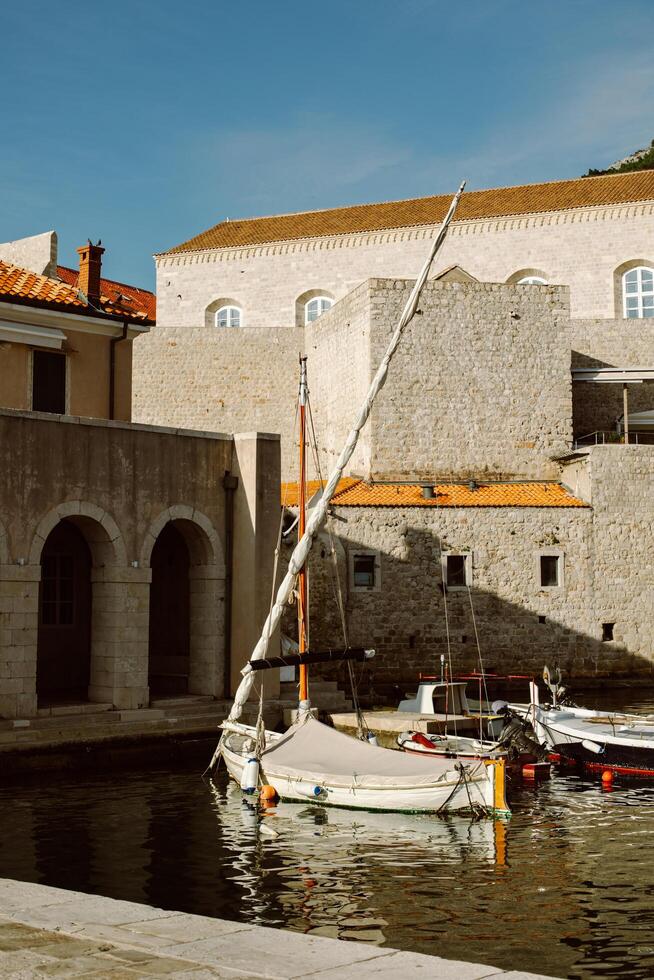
x=599, y=112
x=310, y=160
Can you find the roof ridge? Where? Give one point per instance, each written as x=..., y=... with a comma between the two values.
x=513, y=190
x=115, y=282
x=421, y=197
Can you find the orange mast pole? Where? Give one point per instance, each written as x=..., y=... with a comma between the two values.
x=302, y=617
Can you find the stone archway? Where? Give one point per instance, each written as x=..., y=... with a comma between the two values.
x=79, y=545
x=186, y=610
x=63, y=663
x=169, y=619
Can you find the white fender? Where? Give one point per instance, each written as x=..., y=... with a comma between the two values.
x=250, y=775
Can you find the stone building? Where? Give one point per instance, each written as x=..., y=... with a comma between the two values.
x=236, y=303
x=134, y=560
x=535, y=331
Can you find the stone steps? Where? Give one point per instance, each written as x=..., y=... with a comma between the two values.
x=186, y=717
x=324, y=694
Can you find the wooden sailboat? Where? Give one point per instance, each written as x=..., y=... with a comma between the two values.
x=312, y=760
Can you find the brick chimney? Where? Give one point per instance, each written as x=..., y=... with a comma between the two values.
x=90, y=267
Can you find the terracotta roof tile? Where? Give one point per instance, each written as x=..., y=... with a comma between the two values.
x=356, y=493
x=560, y=195
x=19, y=285
x=132, y=297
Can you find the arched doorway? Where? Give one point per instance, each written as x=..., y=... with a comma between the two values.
x=64, y=631
x=169, y=656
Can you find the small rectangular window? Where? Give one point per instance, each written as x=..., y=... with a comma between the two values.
x=607, y=631
x=49, y=382
x=455, y=571
x=364, y=571
x=549, y=571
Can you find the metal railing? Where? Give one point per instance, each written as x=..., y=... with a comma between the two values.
x=603, y=437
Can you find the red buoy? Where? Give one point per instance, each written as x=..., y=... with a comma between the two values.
x=607, y=777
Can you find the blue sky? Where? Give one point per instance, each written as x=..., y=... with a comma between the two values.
x=143, y=122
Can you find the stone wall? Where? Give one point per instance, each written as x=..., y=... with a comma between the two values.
x=38, y=253
x=622, y=593
x=480, y=384
x=521, y=626
x=121, y=485
x=340, y=370
x=579, y=248
x=224, y=381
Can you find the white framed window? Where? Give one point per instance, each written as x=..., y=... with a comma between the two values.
x=315, y=307
x=549, y=568
x=638, y=292
x=456, y=569
x=365, y=571
x=532, y=281
x=229, y=316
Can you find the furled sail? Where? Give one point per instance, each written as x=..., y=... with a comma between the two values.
x=319, y=512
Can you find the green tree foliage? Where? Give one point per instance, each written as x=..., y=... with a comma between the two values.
x=646, y=162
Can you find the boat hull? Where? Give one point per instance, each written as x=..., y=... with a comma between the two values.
x=479, y=790
x=598, y=740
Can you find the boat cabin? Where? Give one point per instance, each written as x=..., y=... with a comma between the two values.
x=438, y=698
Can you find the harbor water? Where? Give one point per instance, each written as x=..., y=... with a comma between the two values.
x=564, y=888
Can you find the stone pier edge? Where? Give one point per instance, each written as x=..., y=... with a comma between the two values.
x=150, y=939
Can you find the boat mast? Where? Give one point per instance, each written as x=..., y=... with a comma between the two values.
x=302, y=611
x=319, y=512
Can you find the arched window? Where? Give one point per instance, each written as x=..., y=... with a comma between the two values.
x=316, y=306
x=530, y=276
x=228, y=316
x=638, y=292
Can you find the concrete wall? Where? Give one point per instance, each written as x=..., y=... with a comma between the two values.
x=480, y=385
x=121, y=484
x=579, y=248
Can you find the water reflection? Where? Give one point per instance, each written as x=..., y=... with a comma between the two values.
x=564, y=888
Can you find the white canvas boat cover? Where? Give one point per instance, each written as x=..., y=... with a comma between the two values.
x=313, y=752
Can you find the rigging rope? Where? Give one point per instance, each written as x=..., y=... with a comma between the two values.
x=481, y=663
x=362, y=726
x=447, y=624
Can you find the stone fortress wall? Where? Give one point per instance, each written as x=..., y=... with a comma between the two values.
x=480, y=385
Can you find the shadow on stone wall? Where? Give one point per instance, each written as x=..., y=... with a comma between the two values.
x=405, y=623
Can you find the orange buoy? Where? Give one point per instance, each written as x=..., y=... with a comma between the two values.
x=607, y=777
x=268, y=794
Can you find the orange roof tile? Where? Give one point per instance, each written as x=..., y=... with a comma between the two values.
x=356, y=493
x=19, y=285
x=140, y=300
x=559, y=195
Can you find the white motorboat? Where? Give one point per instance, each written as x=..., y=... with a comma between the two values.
x=600, y=740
